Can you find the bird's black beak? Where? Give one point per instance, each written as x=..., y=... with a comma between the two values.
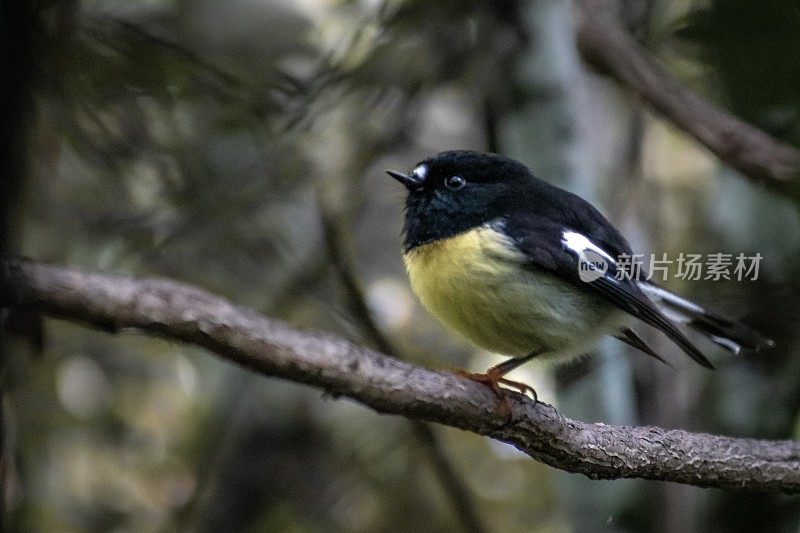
x=411, y=181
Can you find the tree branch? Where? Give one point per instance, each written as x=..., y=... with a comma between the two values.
x=183, y=313
x=607, y=46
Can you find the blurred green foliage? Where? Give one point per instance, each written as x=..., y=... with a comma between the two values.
x=201, y=141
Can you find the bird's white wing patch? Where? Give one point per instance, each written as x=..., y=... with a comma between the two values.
x=733, y=346
x=593, y=262
x=682, y=311
x=579, y=244
x=658, y=295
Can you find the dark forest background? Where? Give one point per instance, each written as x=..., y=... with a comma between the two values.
x=240, y=146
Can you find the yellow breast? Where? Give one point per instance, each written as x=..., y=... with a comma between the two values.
x=477, y=283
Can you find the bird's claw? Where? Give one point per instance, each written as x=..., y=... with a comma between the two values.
x=493, y=380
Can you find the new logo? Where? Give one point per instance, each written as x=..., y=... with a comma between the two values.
x=591, y=266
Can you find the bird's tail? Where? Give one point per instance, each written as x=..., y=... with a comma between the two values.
x=729, y=334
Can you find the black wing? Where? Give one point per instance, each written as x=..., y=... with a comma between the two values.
x=555, y=247
x=555, y=205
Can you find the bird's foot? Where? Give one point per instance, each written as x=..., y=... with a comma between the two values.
x=493, y=378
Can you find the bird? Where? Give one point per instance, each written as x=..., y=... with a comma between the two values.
x=525, y=269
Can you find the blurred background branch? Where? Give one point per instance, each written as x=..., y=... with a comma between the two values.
x=336, y=238
x=611, y=49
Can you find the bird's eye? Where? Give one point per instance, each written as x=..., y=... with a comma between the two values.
x=454, y=182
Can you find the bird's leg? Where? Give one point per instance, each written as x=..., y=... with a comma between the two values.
x=493, y=378
x=507, y=366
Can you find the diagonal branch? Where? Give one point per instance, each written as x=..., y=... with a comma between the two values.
x=183, y=313
x=607, y=46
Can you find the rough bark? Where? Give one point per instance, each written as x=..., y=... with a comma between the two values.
x=183, y=313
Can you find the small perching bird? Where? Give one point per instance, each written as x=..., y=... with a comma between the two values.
x=523, y=268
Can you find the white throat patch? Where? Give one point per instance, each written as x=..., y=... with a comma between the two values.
x=421, y=171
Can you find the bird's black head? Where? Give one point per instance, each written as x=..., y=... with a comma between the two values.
x=453, y=192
